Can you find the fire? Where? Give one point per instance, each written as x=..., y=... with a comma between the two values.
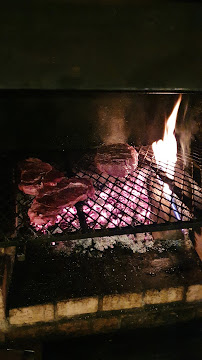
x=165, y=151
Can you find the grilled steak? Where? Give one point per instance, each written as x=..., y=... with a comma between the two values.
x=117, y=160
x=40, y=215
x=34, y=165
x=53, y=191
x=66, y=193
x=53, y=177
x=35, y=174
x=30, y=189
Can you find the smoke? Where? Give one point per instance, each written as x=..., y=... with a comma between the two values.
x=186, y=131
x=112, y=121
x=114, y=126
x=139, y=119
x=186, y=136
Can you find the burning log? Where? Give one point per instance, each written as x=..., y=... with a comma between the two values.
x=161, y=207
x=166, y=197
x=189, y=188
x=165, y=206
x=183, y=185
x=172, y=178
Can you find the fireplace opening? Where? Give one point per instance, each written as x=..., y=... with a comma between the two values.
x=100, y=214
x=136, y=203
x=163, y=191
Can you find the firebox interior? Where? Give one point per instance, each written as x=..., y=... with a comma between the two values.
x=126, y=249
x=137, y=203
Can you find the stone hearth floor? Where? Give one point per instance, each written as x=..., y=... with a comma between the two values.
x=53, y=284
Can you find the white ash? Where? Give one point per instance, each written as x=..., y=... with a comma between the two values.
x=66, y=248
x=139, y=243
x=105, y=242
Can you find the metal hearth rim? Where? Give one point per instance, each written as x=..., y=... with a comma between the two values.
x=77, y=235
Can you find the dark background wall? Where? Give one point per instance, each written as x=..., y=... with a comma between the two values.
x=59, y=120
x=101, y=44
x=112, y=44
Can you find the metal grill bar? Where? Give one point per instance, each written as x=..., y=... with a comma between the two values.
x=137, y=203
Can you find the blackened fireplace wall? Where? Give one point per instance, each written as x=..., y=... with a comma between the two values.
x=60, y=120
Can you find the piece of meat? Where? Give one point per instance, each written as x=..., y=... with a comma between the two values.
x=34, y=164
x=40, y=215
x=117, y=160
x=31, y=189
x=48, y=189
x=62, y=185
x=35, y=174
x=53, y=177
x=53, y=191
x=65, y=194
x=31, y=176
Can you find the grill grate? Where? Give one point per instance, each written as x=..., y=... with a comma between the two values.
x=138, y=203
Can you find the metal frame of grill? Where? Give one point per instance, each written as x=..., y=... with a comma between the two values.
x=131, y=205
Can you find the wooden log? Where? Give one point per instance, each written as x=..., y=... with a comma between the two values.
x=160, y=205
x=161, y=208
x=189, y=188
x=183, y=184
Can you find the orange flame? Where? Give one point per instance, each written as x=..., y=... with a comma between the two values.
x=165, y=151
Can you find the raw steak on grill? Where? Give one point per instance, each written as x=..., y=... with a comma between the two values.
x=117, y=160
x=49, y=189
x=52, y=178
x=35, y=174
x=40, y=214
x=67, y=193
x=34, y=164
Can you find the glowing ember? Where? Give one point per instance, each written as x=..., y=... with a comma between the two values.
x=165, y=151
x=118, y=203
x=67, y=219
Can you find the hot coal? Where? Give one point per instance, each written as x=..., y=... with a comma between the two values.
x=116, y=202
x=117, y=160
